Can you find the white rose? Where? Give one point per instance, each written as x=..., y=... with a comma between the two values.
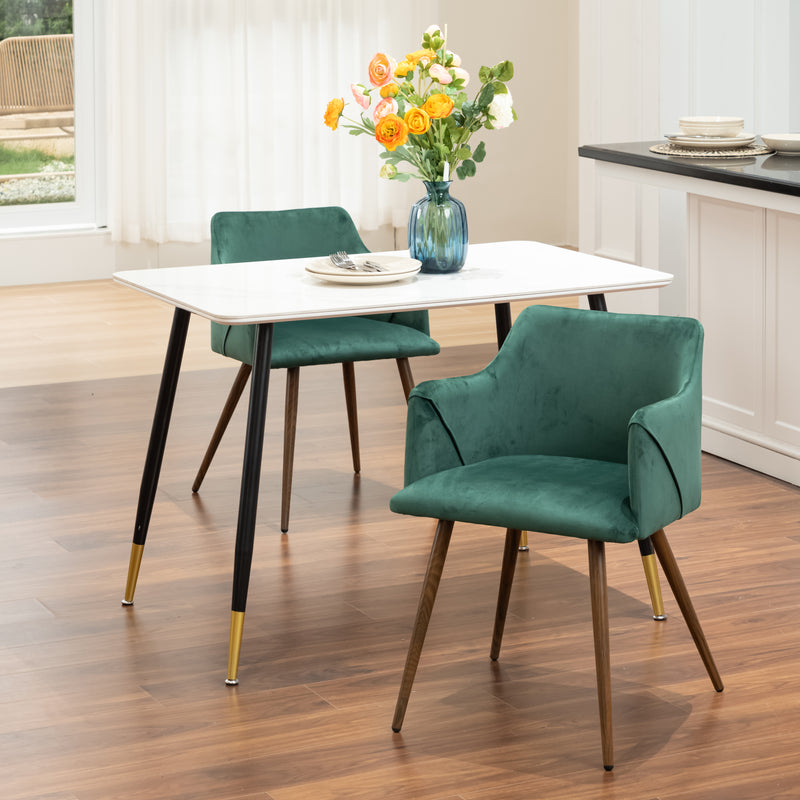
x=502, y=110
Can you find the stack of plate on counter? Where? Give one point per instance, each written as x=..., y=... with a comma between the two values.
x=711, y=133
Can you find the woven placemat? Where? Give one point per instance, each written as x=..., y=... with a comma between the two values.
x=669, y=149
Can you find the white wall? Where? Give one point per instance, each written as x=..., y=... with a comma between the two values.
x=527, y=186
x=618, y=102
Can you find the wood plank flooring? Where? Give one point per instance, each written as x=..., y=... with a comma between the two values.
x=99, y=701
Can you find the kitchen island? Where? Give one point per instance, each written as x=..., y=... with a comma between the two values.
x=742, y=281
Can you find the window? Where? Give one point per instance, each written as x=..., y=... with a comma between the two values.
x=48, y=121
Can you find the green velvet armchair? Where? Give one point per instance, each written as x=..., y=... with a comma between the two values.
x=586, y=424
x=238, y=236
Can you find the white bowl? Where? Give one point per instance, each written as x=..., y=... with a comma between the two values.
x=783, y=142
x=711, y=126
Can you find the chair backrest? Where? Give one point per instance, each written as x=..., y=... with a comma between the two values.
x=238, y=236
x=572, y=379
x=36, y=73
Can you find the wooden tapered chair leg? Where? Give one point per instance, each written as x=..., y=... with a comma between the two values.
x=224, y=418
x=406, y=378
x=289, y=436
x=602, y=653
x=349, y=376
x=441, y=541
x=675, y=580
x=651, y=574
x=506, y=579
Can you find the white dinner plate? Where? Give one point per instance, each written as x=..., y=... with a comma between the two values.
x=395, y=268
x=711, y=142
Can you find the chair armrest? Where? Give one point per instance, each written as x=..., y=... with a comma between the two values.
x=664, y=470
x=452, y=422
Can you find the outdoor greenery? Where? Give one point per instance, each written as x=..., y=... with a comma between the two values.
x=24, y=162
x=34, y=17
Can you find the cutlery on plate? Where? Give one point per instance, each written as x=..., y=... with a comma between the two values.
x=342, y=259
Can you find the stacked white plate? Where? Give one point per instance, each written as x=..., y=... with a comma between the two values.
x=392, y=268
x=697, y=142
x=716, y=127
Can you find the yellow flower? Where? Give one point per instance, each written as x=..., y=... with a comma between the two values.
x=438, y=106
x=420, y=55
x=390, y=90
x=391, y=131
x=333, y=112
x=417, y=120
x=403, y=68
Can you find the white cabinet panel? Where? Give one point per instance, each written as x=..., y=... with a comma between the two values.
x=726, y=293
x=783, y=326
x=616, y=220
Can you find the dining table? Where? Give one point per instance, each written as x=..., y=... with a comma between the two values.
x=265, y=292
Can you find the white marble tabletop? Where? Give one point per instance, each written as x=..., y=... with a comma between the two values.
x=497, y=272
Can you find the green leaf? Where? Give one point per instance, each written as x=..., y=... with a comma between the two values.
x=484, y=74
x=504, y=71
x=464, y=152
x=467, y=169
x=500, y=88
x=402, y=176
x=485, y=96
x=480, y=153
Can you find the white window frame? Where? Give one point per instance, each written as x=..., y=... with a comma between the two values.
x=87, y=211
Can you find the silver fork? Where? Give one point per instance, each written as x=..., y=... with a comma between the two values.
x=341, y=259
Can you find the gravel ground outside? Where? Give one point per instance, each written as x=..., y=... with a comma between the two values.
x=51, y=189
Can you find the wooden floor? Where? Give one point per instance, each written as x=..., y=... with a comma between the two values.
x=99, y=702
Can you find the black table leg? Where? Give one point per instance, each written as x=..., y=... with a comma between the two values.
x=597, y=302
x=502, y=321
x=248, y=497
x=155, y=449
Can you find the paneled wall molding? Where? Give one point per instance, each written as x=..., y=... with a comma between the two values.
x=619, y=101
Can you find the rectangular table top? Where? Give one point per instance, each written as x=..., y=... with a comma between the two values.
x=281, y=290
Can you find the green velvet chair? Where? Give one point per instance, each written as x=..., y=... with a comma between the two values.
x=238, y=236
x=585, y=424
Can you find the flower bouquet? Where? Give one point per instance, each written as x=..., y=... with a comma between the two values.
x=419, y=110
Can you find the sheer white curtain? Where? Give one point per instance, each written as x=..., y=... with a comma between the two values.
x=218, y=104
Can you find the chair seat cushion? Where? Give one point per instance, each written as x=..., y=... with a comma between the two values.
x=576, y=497
x=326, y=341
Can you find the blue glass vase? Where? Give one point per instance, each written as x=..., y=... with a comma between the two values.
x=437, y=230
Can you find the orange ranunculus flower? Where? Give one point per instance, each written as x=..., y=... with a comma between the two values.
x=390, y=90
x=417, y=120
x=403, y=68
x=391, y=131
x=333, y=112
x=438, y=106
x=421, y=55
x=381, y=69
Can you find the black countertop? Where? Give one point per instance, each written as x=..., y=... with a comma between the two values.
x=771, y=173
